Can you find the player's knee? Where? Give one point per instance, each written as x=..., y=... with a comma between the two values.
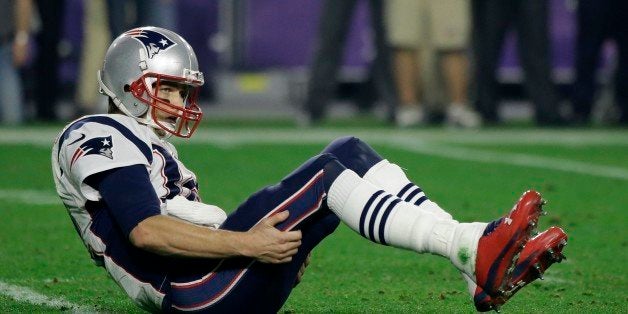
x=329, y=224
x=343, y=143
x=354, y=153
x=332, y=169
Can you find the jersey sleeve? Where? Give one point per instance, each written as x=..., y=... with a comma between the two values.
x=128, y=194
x=99, y=143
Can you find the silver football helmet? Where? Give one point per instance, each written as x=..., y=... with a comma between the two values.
x=135, y=65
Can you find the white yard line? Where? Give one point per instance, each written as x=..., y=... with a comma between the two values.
x=435, y=148
x=26, y=295
x=517, y=159
x=440, y=143
x=31, y=197
x=567, y=138
x=45, y=136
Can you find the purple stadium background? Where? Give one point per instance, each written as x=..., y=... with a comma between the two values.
x=281, y=34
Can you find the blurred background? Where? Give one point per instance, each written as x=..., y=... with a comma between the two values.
x=460, y=63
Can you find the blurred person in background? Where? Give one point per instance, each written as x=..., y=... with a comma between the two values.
x=96, y=39
x=334, y=25
x=442, y=25
x=51, y=14
x=599, y=20
x=15, y=22
x=491, y=20
x=125, y=14
x=101, y=28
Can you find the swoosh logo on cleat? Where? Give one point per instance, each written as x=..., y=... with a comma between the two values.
x=490, y=280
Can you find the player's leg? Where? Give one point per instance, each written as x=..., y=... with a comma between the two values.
x=485, y=252
x=264, y=288
x=391, y=177
x=243, y=285
x=367, y=163
x=380, y=206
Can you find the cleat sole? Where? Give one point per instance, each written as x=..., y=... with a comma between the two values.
x=534, y=261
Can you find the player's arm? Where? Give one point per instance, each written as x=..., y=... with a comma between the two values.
x=170, y=236
x=133, y=203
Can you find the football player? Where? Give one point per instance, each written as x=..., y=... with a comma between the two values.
x=138, y=211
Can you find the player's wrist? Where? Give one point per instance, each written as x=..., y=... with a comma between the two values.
x=242, y=244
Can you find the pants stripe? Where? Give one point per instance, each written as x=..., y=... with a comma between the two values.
x=217, y=284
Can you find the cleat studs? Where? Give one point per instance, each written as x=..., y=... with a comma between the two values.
x=532, y=223
x=561, y=257
x=538, y=268
x=551, y=251
x=543, y=202
x=539, y=271
x=516, y=258
x=563, y=242
x=544, y=213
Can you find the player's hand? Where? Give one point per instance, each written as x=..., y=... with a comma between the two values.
x=302, y=269
x=267, y=244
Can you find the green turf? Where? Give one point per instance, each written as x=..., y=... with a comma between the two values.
x=40, y=250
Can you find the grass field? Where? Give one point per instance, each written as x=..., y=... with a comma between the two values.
x=475, y=175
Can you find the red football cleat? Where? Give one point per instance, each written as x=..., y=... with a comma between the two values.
x=502, y=242
x=537, y=256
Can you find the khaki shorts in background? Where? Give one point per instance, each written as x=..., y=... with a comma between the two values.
x=441, y=24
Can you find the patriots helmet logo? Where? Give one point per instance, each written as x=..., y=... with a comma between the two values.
x=154, y=42
x=95, y=146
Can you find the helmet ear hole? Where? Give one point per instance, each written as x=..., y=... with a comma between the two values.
x=127, y=88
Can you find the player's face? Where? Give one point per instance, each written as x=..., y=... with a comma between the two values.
x=173, y=93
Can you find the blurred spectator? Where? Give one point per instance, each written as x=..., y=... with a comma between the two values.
x=442, y=25
x=96, y=39
x=15, y=22
x=333, y=28
x=101, y=29
x=47, y=60
x=491, y=20
x=125, y=14
x=599, y=20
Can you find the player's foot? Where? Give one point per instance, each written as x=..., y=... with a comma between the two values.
x=502, y=242
x=537, y=256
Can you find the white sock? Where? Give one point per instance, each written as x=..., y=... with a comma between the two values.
x=384, y=218
x=393, y=179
